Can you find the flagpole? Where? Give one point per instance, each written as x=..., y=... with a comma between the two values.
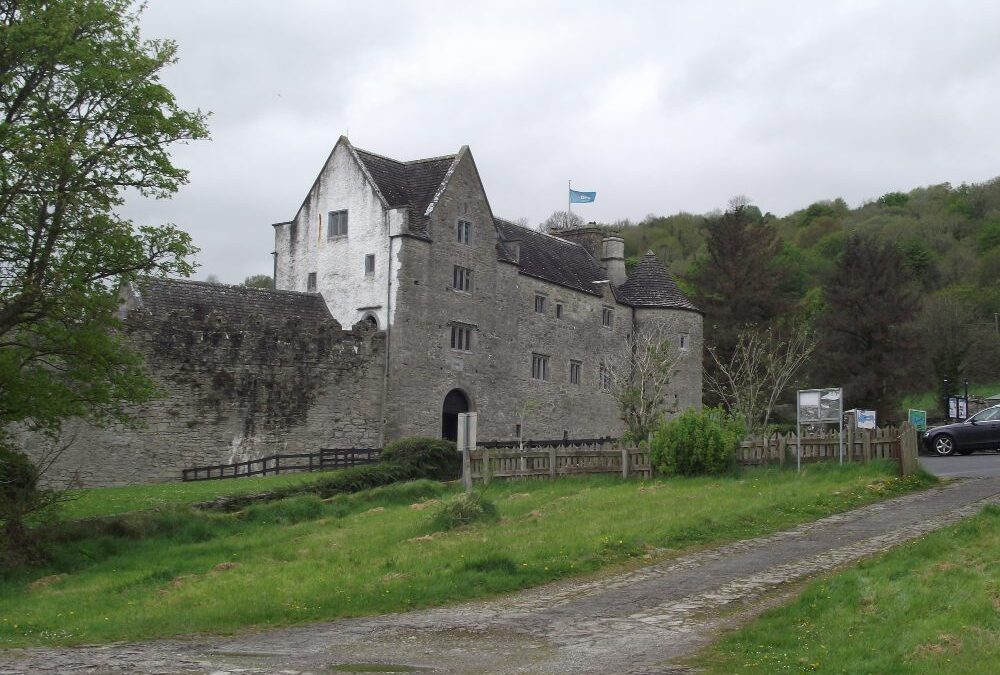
x=569, y=202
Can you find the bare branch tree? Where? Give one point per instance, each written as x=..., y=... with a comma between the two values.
x=761, y=367
x=638, y=376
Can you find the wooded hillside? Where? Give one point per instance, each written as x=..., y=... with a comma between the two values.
x=925, y=264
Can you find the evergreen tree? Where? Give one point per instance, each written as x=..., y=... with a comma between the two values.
x=742, y=279
x=868, y=338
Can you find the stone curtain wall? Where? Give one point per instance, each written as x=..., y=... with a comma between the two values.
x=236, y=386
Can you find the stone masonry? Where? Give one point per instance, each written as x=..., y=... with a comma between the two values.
x=452, y=310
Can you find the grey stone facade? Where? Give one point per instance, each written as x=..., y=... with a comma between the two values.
x=375, y=245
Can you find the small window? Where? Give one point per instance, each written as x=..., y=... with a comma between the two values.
x=540, y=304
x=558, y=310
x=370, y=264
x=464, y=230
x=607, y=317
x=311, y=283
x=605, y=378
x=461, y=338
x=574, y=372
x=336, y=224
x=539, y=367
x=684, y=341
x=462, y=279
x=517, y=431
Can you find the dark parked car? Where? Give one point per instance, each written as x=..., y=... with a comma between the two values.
x=979, y=432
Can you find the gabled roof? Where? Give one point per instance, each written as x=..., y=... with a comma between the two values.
x=198, y=299
x=651, y=285
x=552, y=259
x=413, y=184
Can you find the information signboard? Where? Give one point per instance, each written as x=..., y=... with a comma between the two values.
x=865, y=419
x=918, y=418
x=818, y=406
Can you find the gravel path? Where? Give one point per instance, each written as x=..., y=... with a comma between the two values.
x=638, y=622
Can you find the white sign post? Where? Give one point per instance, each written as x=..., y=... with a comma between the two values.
x=466, y=442
x=818, y=406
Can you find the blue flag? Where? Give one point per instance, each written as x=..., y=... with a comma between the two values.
x=577, y=197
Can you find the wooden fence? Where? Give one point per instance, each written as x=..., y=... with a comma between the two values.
x=568, y=457
x=859, y=446
x=550, y=459
x=272, y=465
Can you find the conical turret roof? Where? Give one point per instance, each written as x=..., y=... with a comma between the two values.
x=651, y=285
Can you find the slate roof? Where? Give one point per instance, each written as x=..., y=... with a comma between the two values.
x=198, y=299
x=651, y=285
x=552, y=259
x=411, y=184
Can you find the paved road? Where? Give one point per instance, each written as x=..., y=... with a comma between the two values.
x=979, y=464
x=640, y=622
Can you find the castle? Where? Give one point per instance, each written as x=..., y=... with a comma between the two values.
x=400, y=301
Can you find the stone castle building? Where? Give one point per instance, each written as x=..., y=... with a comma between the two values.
x=400, y=301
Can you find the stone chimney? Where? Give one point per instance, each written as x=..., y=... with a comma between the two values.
x=613, y=259
x=588, y=236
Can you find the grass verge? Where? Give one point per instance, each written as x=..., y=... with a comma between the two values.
x=96, y=502
x=175, y=571
x=931, y=606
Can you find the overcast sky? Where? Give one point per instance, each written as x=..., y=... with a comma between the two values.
x=658, y=106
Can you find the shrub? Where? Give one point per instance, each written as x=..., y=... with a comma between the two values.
x=464, y=509
x=429, y=457
x=697, y=443
x=20, y=498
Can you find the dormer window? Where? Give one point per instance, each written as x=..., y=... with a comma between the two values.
x=336, y=224
x=464, y=231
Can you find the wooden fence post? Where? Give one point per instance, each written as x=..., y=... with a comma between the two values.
x=552, y=461
x=625, y=457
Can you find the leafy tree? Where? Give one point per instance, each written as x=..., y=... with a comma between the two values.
x=893, y=199
x=867, y=335
x=259, y=281
x=560, y=220
x=83, y=118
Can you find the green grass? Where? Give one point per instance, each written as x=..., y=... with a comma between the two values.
x=112, y=501
x=932, y=606
x=928, y=400
x=176, y=571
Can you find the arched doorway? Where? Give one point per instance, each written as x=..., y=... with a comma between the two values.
x=454, y=403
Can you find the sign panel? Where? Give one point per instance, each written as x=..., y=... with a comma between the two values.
x=865, y=419
x=963, y=408
x=918, y=418
x=819, y=405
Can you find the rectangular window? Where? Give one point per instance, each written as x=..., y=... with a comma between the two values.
x=539, y=367
x=369, y=264
x=461, y=338
x=462, y=279
x=336, y=224
x=605, y=378
x=558, y=310
x=607, y=317
x=684, y=341
x=574, y=372
x=311, y=283
x=464, y=230
x=540, y=304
